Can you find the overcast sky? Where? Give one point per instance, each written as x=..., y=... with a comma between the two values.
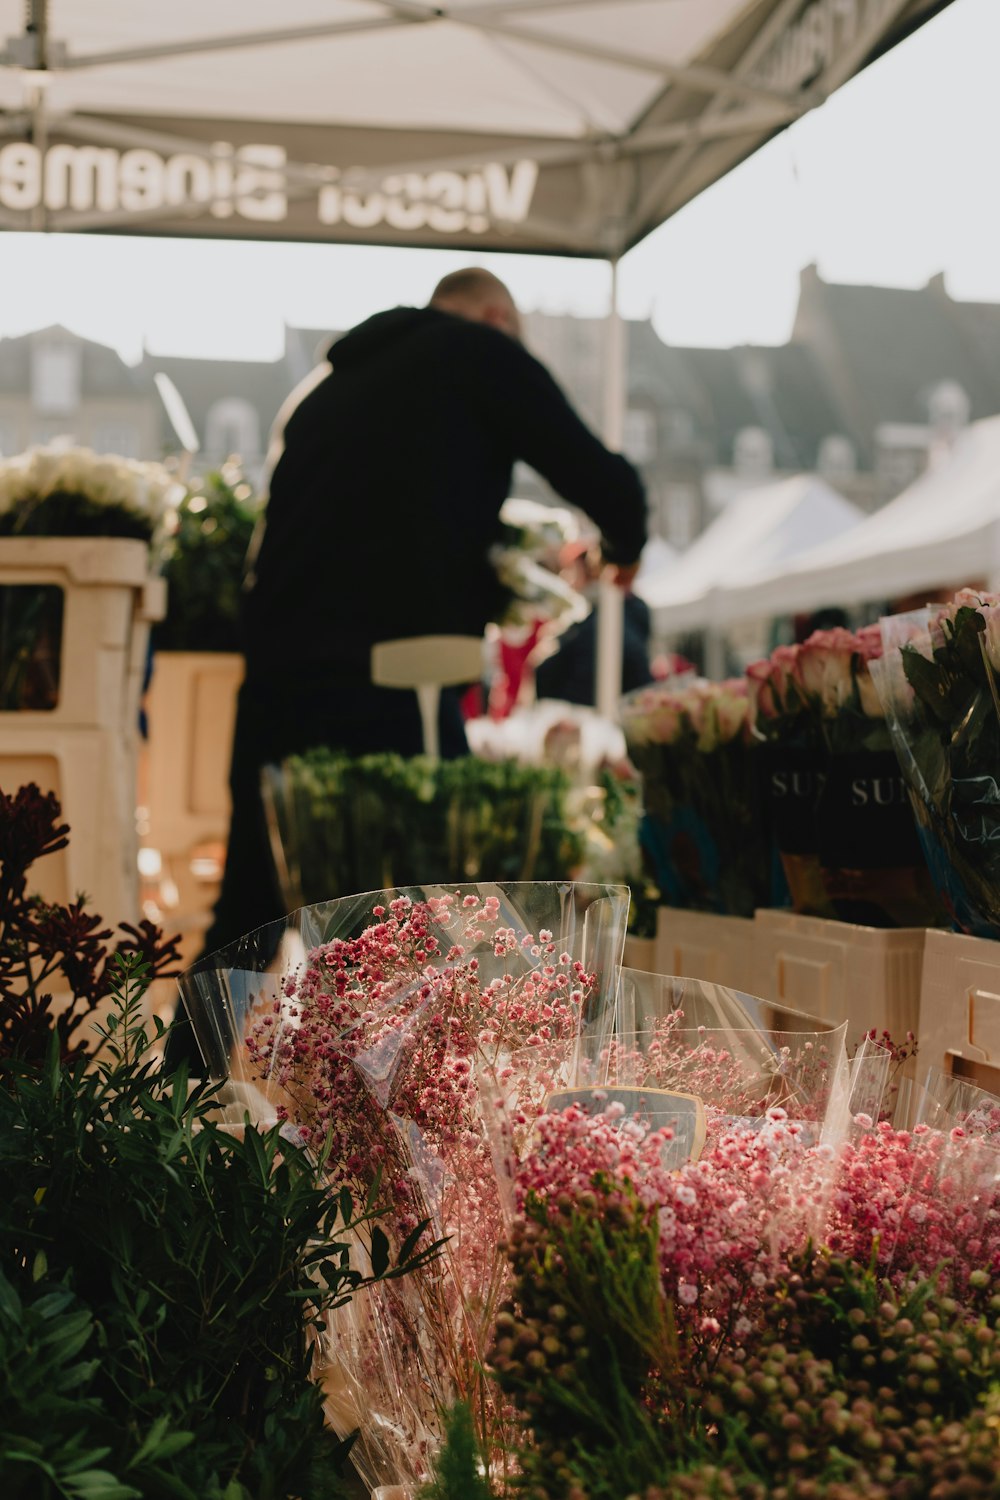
x=894, y=179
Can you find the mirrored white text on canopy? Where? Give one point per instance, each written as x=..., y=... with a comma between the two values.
x=249, y=182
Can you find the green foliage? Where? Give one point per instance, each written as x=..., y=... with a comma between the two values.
x=382, y=820
x=47, y=949
x=845, y=1390
x=204, y=566
x=163, y=1280
x=458, y=1472
x=948, y=739
x=65, y=514
x=585, y=1344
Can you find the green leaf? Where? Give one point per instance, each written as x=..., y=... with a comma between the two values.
x=408, y=1246
x=100, y=1485
x=380, y=1252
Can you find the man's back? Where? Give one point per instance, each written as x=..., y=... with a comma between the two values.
x=385, y=500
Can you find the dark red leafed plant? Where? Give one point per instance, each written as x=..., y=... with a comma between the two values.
x=55, y=961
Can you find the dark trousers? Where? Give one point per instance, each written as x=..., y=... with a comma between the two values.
x=275, y=720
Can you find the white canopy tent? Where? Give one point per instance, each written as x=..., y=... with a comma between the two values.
x=944, y=529
x=657, y=560
x=759, y=531
x=573, y=126
x=568, y=126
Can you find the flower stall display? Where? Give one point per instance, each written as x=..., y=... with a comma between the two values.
x=62, y=491
x=204, y=560
x=783, y=1317
x=66, y=493
x=162, y=1273
x=78, y=591
x=378, y=1027
x=703, y=832
x=835, y=797
x=940, y=689
x=341, y=823
x=197, y=669
x=527, y=564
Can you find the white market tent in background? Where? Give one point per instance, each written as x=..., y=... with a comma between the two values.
x=657, y=560
x=943, y=530
x=568, y=126
x=761, y=530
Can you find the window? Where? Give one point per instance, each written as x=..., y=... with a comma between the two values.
x=948, y=407
x=120, y=438
x=902, y=449
x=232, y=427
x=679, y=428
x=55, y=377
x=679, y=512
x=753, y=453
x=837, y=460
x=53, y=431
x=639, y=435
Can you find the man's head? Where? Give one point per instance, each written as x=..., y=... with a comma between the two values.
x=479, y=296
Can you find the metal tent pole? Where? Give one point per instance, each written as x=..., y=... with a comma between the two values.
x=610, y=599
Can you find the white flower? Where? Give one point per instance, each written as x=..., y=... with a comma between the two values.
x=147, y=490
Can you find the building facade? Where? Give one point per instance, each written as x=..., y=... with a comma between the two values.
x=54, y=384
x=872, y=380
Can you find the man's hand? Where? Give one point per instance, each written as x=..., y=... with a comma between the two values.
x=621, y=576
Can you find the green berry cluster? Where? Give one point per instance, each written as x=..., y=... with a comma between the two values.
x=582, y=1343
x=851, y=1384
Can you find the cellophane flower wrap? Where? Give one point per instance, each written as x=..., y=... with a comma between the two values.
x=939, y=684
x=703, y=833
x=837, y=801
x=340, y=823
x=367, y=1025
x=527, y=565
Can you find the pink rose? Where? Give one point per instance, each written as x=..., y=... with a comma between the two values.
x=731, y=712
x=760, y=690
x=823, y=670
x=784, y=663
x=869, y=642
x=871, y=703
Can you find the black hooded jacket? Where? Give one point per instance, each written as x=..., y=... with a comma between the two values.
x=384, y=503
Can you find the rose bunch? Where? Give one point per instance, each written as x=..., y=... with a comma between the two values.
x=707, y=714
x=702, y=833
x=837, y=800
x=824, y=678
x=940, y=686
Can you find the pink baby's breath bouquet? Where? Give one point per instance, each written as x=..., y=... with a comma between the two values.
x=837, y=801
x=784, y=1316
x=370, y=1040
x=703, y=835
x=740, y=1055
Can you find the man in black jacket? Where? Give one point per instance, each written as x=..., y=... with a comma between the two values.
x=383, y=506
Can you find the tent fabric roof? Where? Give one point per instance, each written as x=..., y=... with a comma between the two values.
x=943, y=529
x=757, y=531
x=565, y=125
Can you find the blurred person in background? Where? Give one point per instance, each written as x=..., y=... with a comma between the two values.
x=568, y=673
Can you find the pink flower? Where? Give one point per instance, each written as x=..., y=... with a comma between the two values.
x=824, y=668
